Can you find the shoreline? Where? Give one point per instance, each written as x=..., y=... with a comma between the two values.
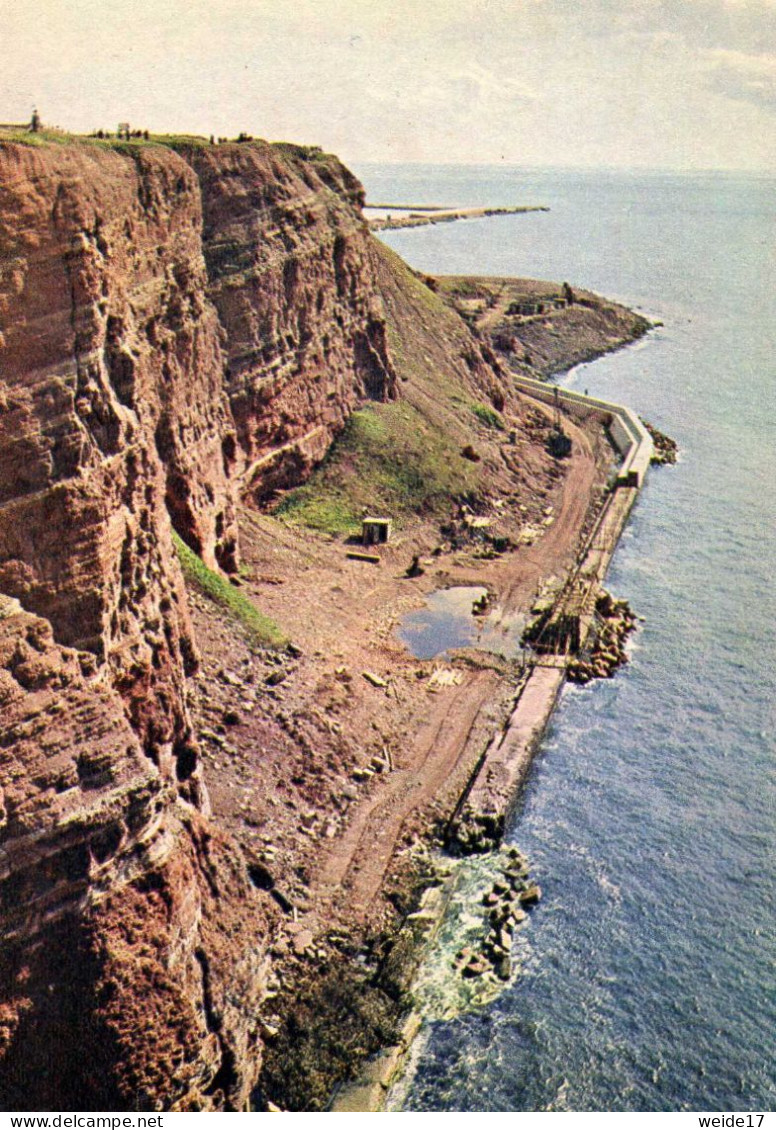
x=338, y=765
x=478, y=823
x=364, y=919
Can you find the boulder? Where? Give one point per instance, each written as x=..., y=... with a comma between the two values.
x=531, y=895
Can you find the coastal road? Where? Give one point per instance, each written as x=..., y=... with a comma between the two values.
x=354, y=871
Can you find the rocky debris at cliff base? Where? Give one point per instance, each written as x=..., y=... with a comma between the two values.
x=341, y=1001
x=504, y=902
x=666, y=450
x=608, y=653
x=476, y=833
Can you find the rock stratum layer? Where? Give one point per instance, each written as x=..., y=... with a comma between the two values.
x=177, y=330
x=292, y=276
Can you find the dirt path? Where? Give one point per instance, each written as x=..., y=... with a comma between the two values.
x=334, y=836
x=555, y=550
x=354, y=871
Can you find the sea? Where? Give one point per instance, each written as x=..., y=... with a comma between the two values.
x=648, y=971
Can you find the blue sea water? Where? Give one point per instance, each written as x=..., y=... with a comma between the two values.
x=649, y=968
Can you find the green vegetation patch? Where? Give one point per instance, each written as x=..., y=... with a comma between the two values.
x=307, y=506
x=389, y=459
x=181, y=140
x=129, y=145
x=457, y=287
x=488, y=416
x=304, y=152
x=260, y=628
x=123, y=145
x=25, y=136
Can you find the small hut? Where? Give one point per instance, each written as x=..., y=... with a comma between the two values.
x=375, y=531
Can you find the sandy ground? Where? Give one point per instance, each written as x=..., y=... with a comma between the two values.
x=326, y=778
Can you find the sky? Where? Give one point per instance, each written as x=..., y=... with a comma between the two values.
x=664, y=84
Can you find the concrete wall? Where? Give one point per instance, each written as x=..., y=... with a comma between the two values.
x=629, y=435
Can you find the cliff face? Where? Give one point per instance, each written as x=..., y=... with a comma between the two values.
x=122, y=917
x=113, y=409
x=293, y=282
x=174, y=330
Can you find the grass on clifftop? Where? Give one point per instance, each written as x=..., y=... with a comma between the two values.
x=24, y=136
x=260, y=629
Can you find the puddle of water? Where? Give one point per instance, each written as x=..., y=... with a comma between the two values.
x=447, y=622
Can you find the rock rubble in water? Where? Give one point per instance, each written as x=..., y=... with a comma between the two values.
x=666, y=450
x=608, y=653
x=505, y=904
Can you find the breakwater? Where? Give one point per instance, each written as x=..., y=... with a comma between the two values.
x=409, y=218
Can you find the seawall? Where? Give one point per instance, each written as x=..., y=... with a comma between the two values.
x=480, y=823
x=629, y=436
x=495, y=785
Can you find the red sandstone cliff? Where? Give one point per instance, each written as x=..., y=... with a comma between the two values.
x=292, y=278
x=124, y=919
x=174, y=330
x=113, y=408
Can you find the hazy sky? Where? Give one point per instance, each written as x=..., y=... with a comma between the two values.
x=657, y=83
